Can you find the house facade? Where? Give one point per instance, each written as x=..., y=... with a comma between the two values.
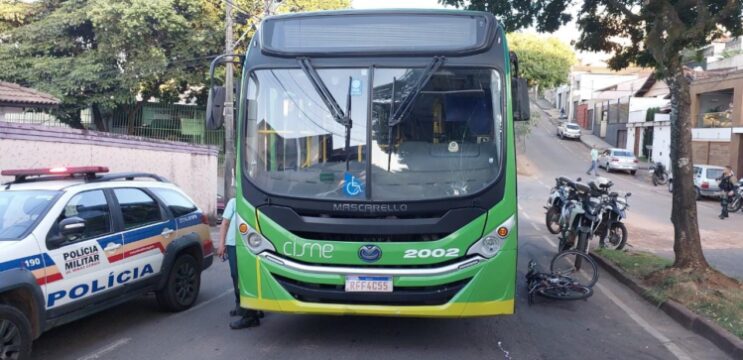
x=717, y=115
x=16, y=99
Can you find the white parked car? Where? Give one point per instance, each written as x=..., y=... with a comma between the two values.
x=568, y=130
x=618, y=159
x=705, y=181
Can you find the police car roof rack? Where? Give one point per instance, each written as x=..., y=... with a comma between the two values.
x=128, y=176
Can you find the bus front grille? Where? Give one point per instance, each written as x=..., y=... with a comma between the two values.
x=401, y=296
x=370, y=238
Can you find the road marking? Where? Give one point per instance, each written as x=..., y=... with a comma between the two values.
x=99, y=354
x=670, y=345
x=525, y=215
x=547, y=239
x=207, y=302
x=534, y=226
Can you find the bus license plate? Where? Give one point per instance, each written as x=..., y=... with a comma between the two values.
x=360, y=283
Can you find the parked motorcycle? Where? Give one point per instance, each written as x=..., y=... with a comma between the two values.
x=611, y=231
x=659, y=173
x=736, y=202
x=594, y=211
x=560, y=194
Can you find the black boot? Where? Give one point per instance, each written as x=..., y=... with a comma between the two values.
x=237, y=311
x=245, y=322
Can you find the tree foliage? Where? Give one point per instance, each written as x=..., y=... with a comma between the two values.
x=312, y=5
x=14, y=13
x=545, y=15
x=544, y=62
x=100, y=54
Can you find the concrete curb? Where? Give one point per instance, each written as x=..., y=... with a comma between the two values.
x=726, y=341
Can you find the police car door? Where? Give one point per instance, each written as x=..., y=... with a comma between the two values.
x=87, y=250
x=147, y=231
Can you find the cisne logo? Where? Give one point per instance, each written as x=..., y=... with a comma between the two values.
x=95, y=286
x=311, y=250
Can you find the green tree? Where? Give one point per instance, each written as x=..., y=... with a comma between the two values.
x=14, y=13
x=544, y=62
x=100, y=54
x=651, y=33
x=312, y=5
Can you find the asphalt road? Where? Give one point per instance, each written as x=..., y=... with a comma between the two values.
x=613, y=324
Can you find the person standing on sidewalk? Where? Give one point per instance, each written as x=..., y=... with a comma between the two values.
x=594, y=161
x=227, y=231
x=726, y=187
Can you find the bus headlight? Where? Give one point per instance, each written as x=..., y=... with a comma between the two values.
x=490, y=244
x=252, y=240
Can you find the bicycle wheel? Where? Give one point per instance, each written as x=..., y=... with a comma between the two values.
x=564, y=264
x=569, y=292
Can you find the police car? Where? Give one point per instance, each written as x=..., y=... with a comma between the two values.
x=77, y=240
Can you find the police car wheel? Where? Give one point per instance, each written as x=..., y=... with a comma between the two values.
x=15, y=334
x=182, y=288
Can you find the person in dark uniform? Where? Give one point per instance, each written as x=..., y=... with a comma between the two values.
x=227, y=232
x=727, y=186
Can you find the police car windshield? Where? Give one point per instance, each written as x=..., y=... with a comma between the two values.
x=20, y=210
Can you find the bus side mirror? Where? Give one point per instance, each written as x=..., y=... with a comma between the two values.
x=215, y=108
x=215, y=101
x=520, y=99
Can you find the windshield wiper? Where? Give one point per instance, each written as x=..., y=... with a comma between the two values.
x=407, y=103
x=330, y=102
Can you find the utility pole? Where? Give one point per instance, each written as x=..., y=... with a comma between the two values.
x=229, y=113
x=267, y=8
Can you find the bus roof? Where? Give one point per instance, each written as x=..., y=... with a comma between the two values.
x=377, y=32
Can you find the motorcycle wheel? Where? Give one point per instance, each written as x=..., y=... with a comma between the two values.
x=582, y=247
x=617, y=237
x=663, y=179
x=735, y=205
x=552, y=220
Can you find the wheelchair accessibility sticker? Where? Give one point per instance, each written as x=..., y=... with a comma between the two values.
x=352, y=186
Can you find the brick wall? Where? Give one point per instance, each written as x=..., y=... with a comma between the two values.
x=581, y=116
x=711, y=152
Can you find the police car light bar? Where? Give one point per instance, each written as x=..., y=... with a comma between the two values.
x=72, y=170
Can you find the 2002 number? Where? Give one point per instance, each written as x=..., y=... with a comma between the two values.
x=426, y=253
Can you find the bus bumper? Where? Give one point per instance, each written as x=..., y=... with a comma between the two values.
x=483, y=289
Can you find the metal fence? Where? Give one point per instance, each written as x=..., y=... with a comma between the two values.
x=173, y=122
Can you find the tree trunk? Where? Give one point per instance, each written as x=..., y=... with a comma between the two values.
x=687, y=245
x=70, y=117
x=132, y=117
x=100, y=125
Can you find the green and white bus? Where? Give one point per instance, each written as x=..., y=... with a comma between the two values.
x=376, y=170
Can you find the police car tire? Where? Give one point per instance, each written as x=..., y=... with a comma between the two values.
x=167, y=297
x=23, y=326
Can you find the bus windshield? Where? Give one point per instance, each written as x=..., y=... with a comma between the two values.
x=448, y=143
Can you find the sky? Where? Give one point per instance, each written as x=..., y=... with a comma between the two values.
x=567, y=33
